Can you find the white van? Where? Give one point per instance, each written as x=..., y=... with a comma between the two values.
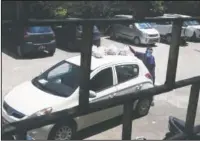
x=139, y=33
x=165, y=28
x=192, y=29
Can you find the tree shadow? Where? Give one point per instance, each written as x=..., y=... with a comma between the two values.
x=197, y=50
x=128, y=42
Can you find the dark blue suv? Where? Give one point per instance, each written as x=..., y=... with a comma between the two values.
x=37, y=39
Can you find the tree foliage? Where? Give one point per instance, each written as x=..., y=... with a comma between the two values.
x=87, y=9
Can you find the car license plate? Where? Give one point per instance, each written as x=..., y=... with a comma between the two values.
x=41, y=48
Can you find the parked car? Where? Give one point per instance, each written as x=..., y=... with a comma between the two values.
x=36, y=39
x=139, y=33
x=165, y=29
x=192, y=30
x=70, y=36
x=58, y=88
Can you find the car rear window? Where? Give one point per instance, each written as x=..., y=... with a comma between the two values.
x=39, y=29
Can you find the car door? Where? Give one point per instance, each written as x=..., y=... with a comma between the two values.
x=127, y=81
x=103, y=85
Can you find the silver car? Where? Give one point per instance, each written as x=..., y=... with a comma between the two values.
x=139, y=33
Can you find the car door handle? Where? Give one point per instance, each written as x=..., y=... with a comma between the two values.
x=138, y=87
x=112, y=95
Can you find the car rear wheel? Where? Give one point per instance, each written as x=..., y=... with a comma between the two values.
x=19, y=52
x=62, y=132
x=194, y=37
x=143, y=107
x=136, y=41
x=113, y=35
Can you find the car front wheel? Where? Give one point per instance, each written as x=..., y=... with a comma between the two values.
x=51, y=53
x=143, y=107
x=62, y=132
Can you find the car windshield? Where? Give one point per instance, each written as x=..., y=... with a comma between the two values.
x=144, y=25
x=40, y=29
x=190, y=23
x=61, y=80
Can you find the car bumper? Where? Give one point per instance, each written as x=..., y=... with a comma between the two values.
x=31, y=47
x=150, y=40
x=40, y=133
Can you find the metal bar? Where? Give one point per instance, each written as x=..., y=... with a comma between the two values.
x=40, y=121
x=85, y=67
x=173, y=53
x=100, y=21
x=192, y=108
x=127, y=121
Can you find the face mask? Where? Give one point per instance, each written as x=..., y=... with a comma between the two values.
x=149, y=53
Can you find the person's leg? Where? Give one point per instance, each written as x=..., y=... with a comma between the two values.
x=96, y=43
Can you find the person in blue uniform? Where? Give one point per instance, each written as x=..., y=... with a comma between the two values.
x=148, y=60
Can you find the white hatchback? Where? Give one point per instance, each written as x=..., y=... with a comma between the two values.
x=58, y=89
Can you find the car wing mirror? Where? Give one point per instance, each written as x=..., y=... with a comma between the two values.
x=92, y=94
x=130, y=26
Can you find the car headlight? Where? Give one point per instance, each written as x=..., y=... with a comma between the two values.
x=42, y=112
x=145, y=35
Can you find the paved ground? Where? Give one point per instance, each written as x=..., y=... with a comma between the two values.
x=153, y=126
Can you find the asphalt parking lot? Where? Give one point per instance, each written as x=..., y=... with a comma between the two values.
x=154, y=125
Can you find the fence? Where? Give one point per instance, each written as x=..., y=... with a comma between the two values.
x=20, y=128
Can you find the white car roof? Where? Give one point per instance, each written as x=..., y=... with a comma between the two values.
x=108, y=59
x=125, y=16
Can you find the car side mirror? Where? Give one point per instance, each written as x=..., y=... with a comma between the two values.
x=130, y=26
x=92, y=94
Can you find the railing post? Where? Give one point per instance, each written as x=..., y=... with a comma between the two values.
x=192, y=108
x=173, y=53
x=85, y=67
x=127, y=121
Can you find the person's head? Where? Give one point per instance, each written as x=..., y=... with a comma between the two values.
x=149, y=51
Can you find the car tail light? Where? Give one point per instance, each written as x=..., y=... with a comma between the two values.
x=25, y=33
x=149, y=76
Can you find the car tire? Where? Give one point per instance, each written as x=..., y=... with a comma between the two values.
x=142, y=107
x=20, y=52
x=62, y=131
x=169, y=38
x=113, y=35
x=51, y=52
x=168, y=135
x=194, y=37
x=136, y=41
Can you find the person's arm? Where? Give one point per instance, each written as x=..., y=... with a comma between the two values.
x=136, y=53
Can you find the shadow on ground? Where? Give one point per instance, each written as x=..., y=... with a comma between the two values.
x=99, y=128
x=9, y=49
x=197, y=50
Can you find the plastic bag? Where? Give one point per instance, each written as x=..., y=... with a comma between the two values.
x=124, y=51
x=97, y=52
x=112, y=50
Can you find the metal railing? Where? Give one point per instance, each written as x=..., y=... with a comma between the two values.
x=20, y=128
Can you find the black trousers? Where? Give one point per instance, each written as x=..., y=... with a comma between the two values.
x=97, y=42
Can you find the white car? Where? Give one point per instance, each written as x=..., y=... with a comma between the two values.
x=139, y=33
x=58, y=89
x=165, y=28
x=192, y=30
x=192, y=27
